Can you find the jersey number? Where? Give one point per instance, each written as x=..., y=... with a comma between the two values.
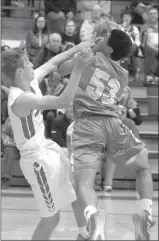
x=97, y=88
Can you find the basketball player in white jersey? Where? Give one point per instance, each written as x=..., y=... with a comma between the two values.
x=43, y=164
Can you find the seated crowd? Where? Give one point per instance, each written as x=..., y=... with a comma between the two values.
x=62, y=27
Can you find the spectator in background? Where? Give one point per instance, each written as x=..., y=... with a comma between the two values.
x=4, y=47
x=11, y=154
x=133, y=110
x=104, y=180
x=4, y=103
x=70, y=38
x=133, y=64
x=4, y=94
x=57, y=12
x=149, y=36
x=52, y=86
x=139, y=9
x=48, y=51
x=56, y=126
x=70, y=35
x=6, y=12
x=88, y=26
x=37, y=37
x=84, y=8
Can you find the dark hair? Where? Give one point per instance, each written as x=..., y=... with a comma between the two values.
x=121, y=44
x=11, y=59
x=35, y=28
x=68, y=21
x=126, y=12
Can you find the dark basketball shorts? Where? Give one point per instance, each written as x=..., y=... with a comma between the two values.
x=95, y=135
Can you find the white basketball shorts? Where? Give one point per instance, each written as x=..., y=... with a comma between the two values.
x=48, y=173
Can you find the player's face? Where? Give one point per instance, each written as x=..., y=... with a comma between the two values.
x=102, y=45
x=28, y=73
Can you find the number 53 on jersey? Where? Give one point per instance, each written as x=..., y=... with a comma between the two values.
x=103, y=88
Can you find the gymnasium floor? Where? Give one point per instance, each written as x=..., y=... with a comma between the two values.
x=20, y=216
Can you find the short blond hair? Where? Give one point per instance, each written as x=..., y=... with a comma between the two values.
x=12, y=59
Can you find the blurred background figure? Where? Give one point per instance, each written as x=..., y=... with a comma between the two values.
x=132, y=107
x=37, y=37
x=56, y=124
x=149, y=37
x=133, y=62
x=53, y=47
x=87, y=28
x=84, y=8
x=6, y=12
x=70, y=35
x=10, y=154
x=57, y=12
x=4, y=103
x=139, y=9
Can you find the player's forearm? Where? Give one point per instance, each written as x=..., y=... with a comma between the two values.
x=64, y=100
x=68, y=94
x=58, y=59
x=53, y=63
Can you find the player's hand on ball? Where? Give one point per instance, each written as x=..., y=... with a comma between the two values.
x=84, y=58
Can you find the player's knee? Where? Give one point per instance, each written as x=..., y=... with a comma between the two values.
x=141, y=161
x=84, y=179
x=51, y=221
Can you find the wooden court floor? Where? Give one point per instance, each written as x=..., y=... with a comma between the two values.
x=19, y=216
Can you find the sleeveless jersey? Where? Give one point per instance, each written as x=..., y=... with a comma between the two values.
x=28, y=131
x=100, y=88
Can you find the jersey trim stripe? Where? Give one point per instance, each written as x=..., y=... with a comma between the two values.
x=28, y=126
x=31, y=125
x=25, y=127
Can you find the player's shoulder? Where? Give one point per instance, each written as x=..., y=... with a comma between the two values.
x=118, y=67
x=101, y=59
x=14, y=93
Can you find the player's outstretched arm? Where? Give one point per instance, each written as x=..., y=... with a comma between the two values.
x=54, y=62
x=29, y=101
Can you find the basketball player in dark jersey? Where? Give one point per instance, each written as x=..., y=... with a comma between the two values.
x=98, y=128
